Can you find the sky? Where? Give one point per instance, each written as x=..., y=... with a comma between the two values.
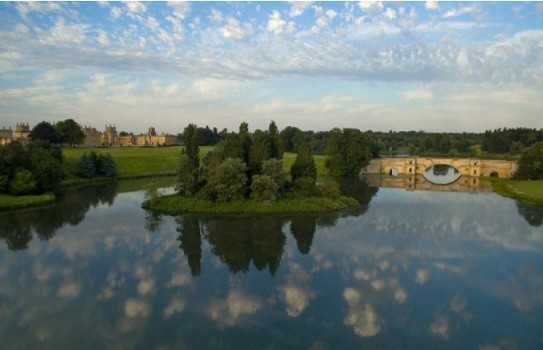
x=432, y=66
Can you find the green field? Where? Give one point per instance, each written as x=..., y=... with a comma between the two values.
x=133, y=161
x=154, y=161
x=8, y=202
x=526, y=191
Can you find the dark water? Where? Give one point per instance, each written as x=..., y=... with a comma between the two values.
x=407, y=270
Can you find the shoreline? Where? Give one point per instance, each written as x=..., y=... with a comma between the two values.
x=518, y=190
x=173, y=204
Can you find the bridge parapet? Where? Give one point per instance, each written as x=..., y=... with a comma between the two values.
x=417, y=165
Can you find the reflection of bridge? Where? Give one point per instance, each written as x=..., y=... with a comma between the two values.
x=419, y=183
x=466, y=166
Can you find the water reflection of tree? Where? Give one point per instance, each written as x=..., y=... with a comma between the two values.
x=303, y=229
x=239, y=240
x=359, y=189
x=17, y=228
x=533, y=215
x=191, y=242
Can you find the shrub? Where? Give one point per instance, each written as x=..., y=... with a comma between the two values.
x=328, y=189
x=229, y=181
x=4, y=183
x=264, y=188
x=85, y=167
x=23, y=183
x=108, y=168
x=274, y=169
x=304, y=186
x=304, y=164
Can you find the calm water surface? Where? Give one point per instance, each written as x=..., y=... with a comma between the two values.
x=407, y=270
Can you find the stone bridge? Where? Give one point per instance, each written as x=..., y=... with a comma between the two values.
x=417, y=165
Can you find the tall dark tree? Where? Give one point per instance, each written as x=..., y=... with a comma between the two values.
x=44, y=131
x=304, y=164
x=276, y=145
x=189, y=163
x=260, y=151
x=69, y=132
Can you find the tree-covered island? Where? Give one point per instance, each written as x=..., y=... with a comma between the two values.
x=244, y=173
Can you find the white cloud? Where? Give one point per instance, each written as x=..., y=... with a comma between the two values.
x=70, y=290
x=238, y=304
x=390, y=14
x=135, y=308
x=440, y=327
x=371, y=6
x=152, y=23
x=466, y=10
x=216, y=16
x=181, y=8
x=275, y=23
x=103, y=38
x=135, y=7
x=431, y=5
x=420, y=94
x=175, y=306
x=362, y=317
x=298, y=7
x=115, y=13
x=232, y=29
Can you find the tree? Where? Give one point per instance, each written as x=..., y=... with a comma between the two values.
x=276, y=145
x=69, y=132
x=264, y=188
x=274, y=169
x=86, y=167
x=107, y=167
x=46, y=169
x=229, y=182
x=188, y=178
x=304, y=164
x=348, y=150
x=530, y=165
x=260, y=151
x=23, y=183
x=44, y=131
x=291, y=137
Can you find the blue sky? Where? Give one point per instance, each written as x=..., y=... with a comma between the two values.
x=434, y=66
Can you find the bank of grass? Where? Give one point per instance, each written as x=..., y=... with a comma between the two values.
x=525, y=191
x=175, y=204
x=8, y=202
x=141, y=162
x=132, y=162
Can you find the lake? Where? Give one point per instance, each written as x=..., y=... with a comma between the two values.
x=409, y=269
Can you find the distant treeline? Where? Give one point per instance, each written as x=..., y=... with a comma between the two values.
x=499, y=141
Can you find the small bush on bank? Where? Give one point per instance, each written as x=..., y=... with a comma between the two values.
x=264, y=188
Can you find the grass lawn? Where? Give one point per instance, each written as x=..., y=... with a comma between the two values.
x=526, y=191
x=133, y=161
x=152, y=161
x=8, y=202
